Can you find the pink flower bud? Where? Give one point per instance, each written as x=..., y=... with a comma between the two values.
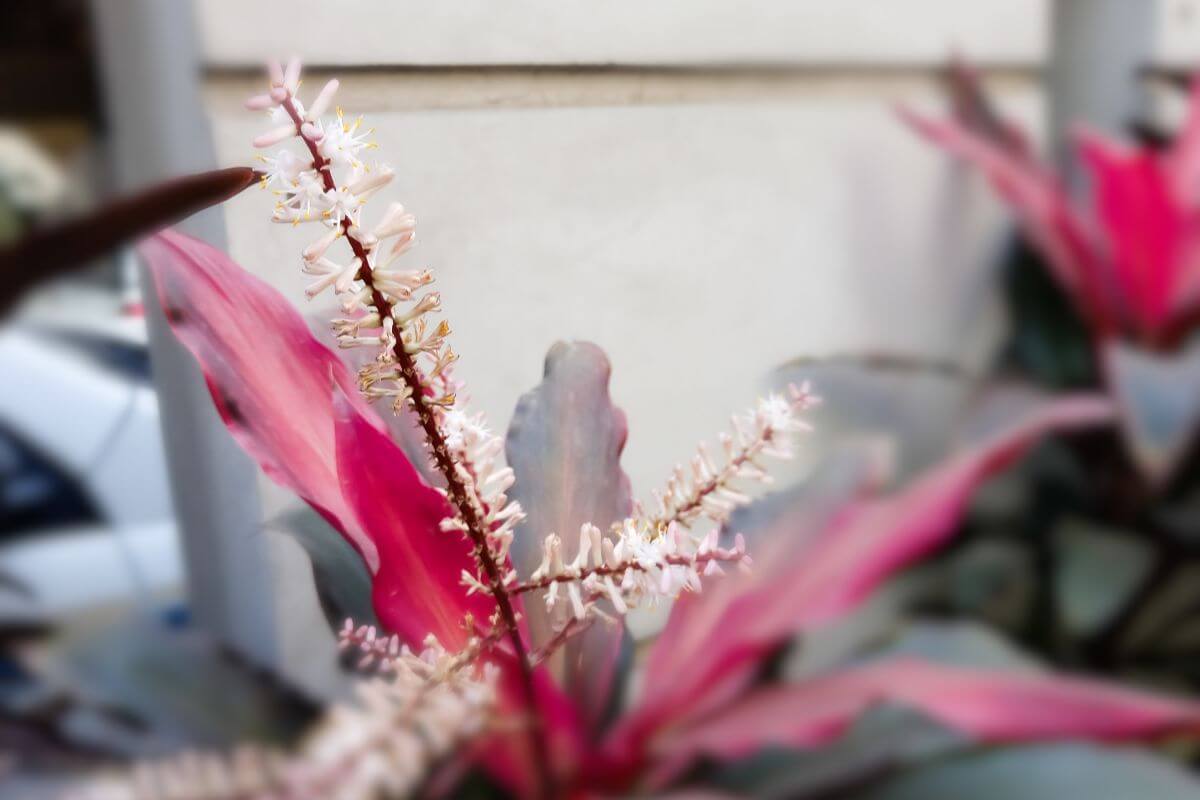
x=275, y=136
x=261, y=102
x=321, y=104
x=291, y=76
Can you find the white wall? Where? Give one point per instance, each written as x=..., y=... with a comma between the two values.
x=622, y=31
x=703, y=223
x=701, y=244
x=1178, y=33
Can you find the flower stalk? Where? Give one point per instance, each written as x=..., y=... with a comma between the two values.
x=372, y=293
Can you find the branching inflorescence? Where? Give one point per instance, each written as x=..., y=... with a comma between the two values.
x=388, y=309
x=648, y=558
x=385, y=313
x=709, y=489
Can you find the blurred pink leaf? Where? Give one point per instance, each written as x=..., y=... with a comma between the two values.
x=975, y=112
x=1143, y=224
x=988, y=705
x=271, y=381
x=1135, y=266
x=1035, y=196
x=714, y=641
x=875, y=538
x=417, y=589
x=565, y=443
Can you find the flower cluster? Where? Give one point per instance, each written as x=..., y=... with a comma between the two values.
x=384, y=653
x=427, y=705
x=477, y=452
x=382, y=744
x=330, y=185
x=709, y=490
x=646, y=559
x=629, y=567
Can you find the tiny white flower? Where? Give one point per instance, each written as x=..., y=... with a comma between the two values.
x=283, y=169
x=343, y=142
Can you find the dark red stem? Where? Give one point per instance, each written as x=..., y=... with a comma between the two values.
x=618, y=570
x=456, y=490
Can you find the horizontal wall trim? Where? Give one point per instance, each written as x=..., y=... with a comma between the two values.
x=410, y=88
x=796, y=68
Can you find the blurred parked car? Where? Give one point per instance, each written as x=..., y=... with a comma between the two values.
x=85, y=510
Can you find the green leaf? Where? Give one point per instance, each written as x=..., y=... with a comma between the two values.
x=138, y=686
x=883, y=740
x=342, y=580
x=906, y=409
x=1098, y=570
x=1049, y=340
x=991, y=580
x=958, y=644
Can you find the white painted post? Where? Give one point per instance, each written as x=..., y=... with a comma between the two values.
x=1098, y=46
x=157, y=129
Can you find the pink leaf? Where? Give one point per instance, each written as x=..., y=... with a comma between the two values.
x=565, y=443
x=1184, y=169
x=990, y=706
x=1184, y=153
x=270, y=379
x=973, y=110
x=713, y=641
x=417, y=589
x=1143, y=224
x=509, y=757
x=1038, y=200
x=876, y=538
x=293, y=406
